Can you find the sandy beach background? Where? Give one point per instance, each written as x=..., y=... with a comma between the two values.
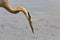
x=45, y=16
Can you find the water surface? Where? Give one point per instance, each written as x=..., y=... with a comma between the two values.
x=45, y=16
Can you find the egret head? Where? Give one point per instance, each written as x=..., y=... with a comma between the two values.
x=28, y=16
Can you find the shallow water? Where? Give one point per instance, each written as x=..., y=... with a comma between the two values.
x=45, y=16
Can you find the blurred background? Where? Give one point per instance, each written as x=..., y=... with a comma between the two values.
x=45, y=18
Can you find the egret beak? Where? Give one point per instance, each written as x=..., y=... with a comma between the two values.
x=30, y=23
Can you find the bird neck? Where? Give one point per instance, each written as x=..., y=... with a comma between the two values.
x=8, y=7
x=22, y=9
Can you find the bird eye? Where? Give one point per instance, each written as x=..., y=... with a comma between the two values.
x=29, y=16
